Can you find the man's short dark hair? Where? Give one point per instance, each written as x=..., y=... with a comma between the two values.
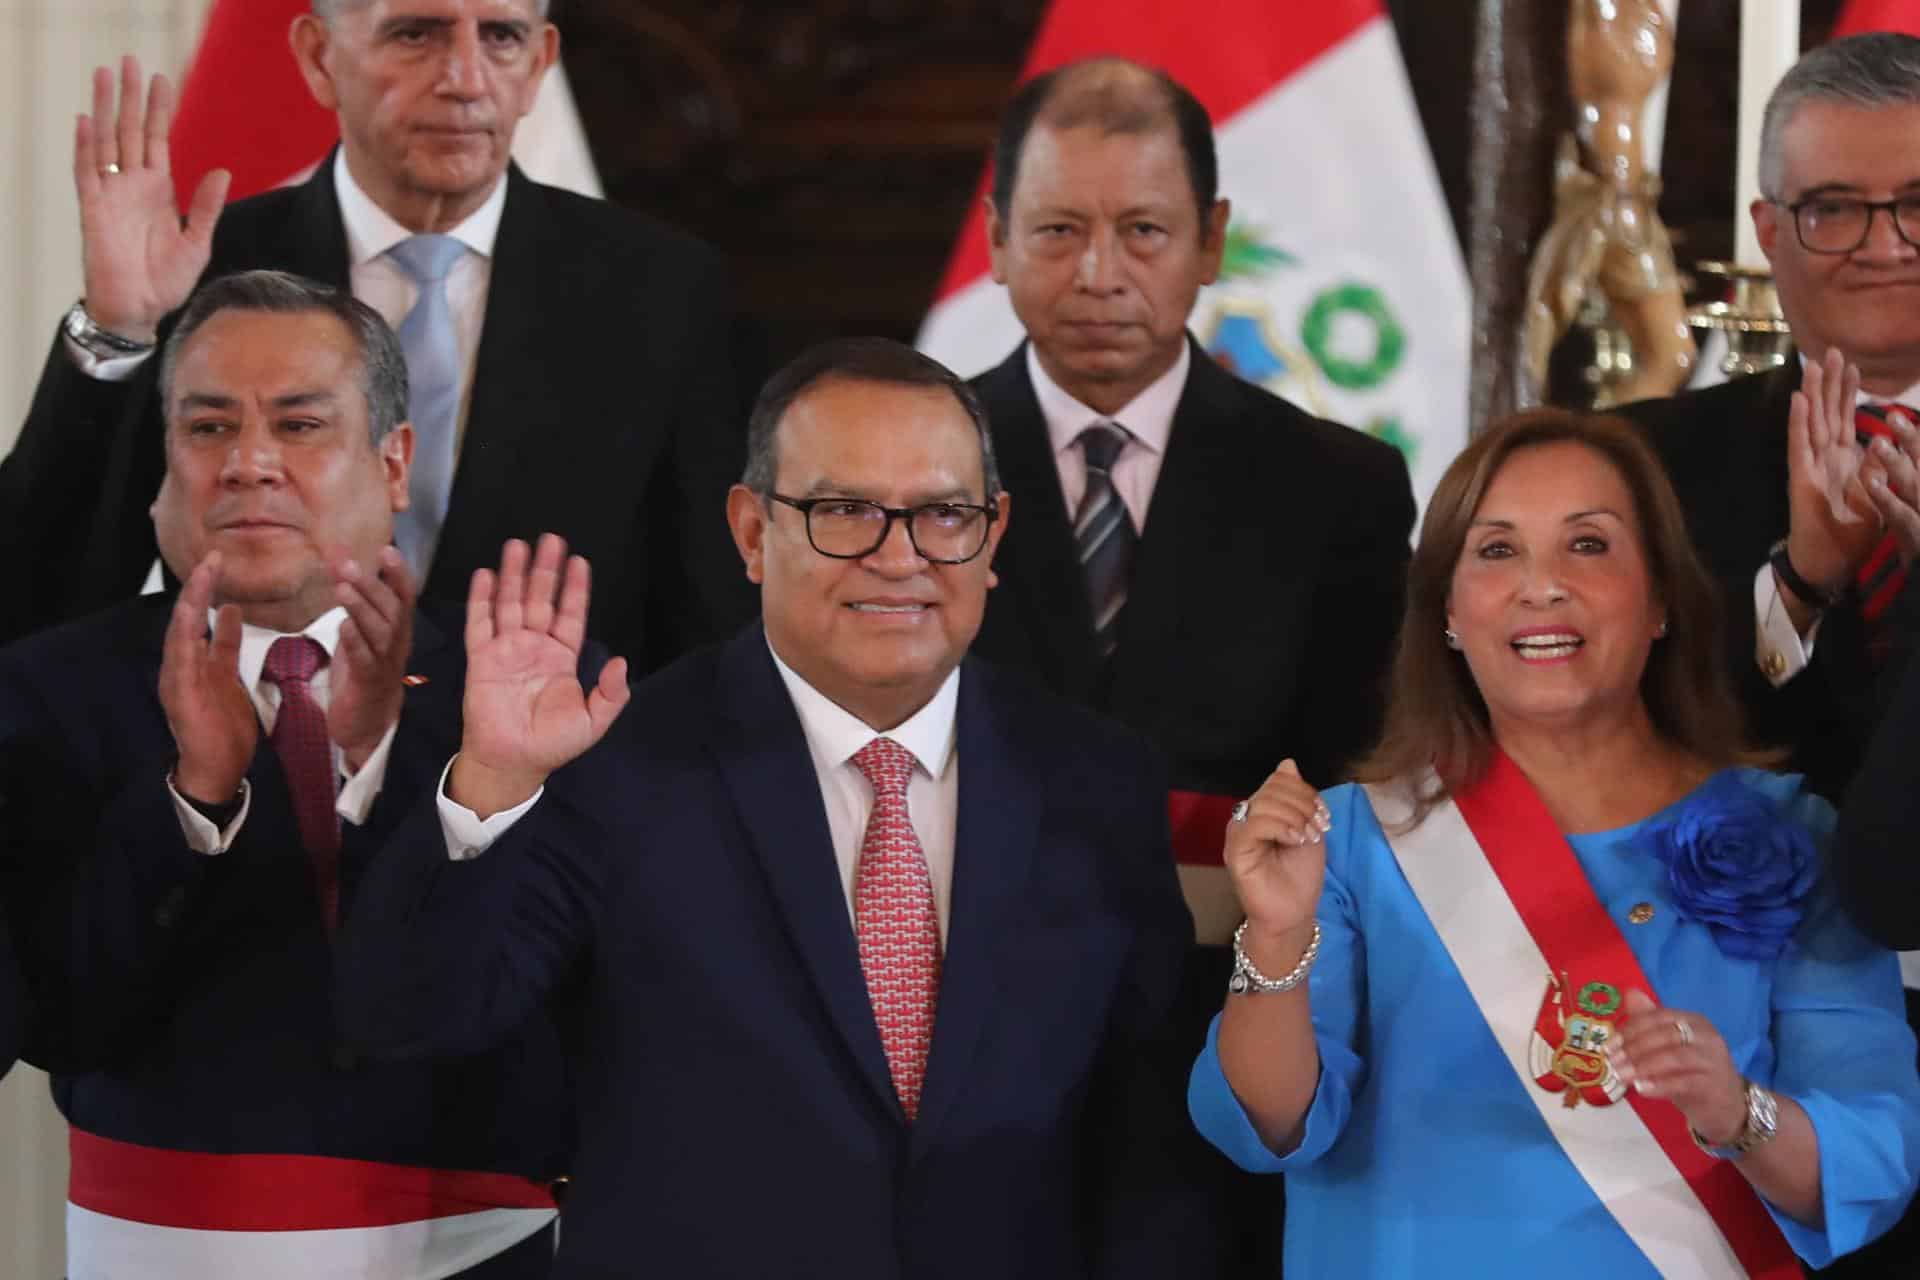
x=879, y=360
x=383, y=366
x=1100, y=92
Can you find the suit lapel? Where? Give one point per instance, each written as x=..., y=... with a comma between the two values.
x=1196, y=559
x=994, y=838
x=507, y=399
x=763, y=755
x=313, y=241
x=1037, y=558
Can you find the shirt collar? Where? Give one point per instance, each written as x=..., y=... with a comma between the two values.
x=371, y=230
x=255, y=641
x=837, y=735
x=1148, y=417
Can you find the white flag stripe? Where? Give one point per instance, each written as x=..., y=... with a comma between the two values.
x=551, y=144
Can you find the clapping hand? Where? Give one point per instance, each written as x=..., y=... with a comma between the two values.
x=369, y=670
x=1680, y=1057
x=140, y=260
x=1893, y=483
x=1275, y=856
x=525, y=713
x=1834, y=525
x=208, y=711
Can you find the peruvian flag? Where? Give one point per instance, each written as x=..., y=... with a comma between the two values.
x=244, y=107
x=1343, y=287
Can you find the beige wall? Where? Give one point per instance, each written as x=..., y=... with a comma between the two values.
x=47, y=49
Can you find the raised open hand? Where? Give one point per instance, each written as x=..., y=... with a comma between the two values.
x=1893, y=483
x=140, y=260
x=1833, y=522
x=370, y=668
x=525, y=712
x=1275, y=855
x=212, y=719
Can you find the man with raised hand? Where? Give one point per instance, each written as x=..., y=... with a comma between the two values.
x=575, y=366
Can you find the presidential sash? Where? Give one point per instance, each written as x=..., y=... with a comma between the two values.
x=1549, y=969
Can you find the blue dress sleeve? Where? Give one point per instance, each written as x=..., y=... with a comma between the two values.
x=1843, y=1051
x=1337, y=994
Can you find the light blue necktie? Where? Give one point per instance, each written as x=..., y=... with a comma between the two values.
x=435, y=378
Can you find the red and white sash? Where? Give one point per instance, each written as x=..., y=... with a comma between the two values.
x=1512, y=906
x=135, y=1211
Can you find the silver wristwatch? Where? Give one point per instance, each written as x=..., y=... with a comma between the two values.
x=1247, y=980
x=1763, y=1121
x=102, y=343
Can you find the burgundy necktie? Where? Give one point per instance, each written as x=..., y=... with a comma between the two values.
x=1882, y=576
x=894, y=917
x=306, y=754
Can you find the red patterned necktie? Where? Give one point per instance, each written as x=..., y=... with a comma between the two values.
x=306, y=754
x=894, y=917
x=1882, y=576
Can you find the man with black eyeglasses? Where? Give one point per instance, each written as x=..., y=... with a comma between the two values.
x=874, y=944
x=1816, y=605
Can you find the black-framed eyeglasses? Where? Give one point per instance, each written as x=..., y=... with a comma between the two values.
x=1841, y=224
x=849, y=528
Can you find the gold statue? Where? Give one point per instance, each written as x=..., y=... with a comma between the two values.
x=1606, y=228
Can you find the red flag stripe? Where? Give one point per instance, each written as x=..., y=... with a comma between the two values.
x=1240, y=50
x=1199, y=824
x=1878, y=15
x=206, y=1192
x=1553, y=897
x=244, y=105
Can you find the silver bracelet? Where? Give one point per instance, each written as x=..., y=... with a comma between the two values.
x=1247, y=980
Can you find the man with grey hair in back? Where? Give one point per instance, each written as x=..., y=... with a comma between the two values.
x=194, y=785
x=1815, y=602
x=575, y=367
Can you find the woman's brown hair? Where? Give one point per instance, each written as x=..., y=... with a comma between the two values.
x=1435, y=715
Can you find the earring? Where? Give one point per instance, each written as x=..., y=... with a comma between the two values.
x=1660, y=632
x=1453, y=638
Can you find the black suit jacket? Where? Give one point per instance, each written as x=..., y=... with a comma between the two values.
x=186, y=1000
x=1875, y=869
x=737, y=1113
x=608, y=405
x=1725, y=448
x=1265, y=594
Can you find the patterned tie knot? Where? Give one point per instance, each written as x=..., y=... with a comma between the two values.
x=427, y=258
x=887, y=765
x=294, y=660
x=1100, y=445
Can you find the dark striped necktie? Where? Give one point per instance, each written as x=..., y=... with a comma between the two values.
x=1103, y=534
x=1881, y=578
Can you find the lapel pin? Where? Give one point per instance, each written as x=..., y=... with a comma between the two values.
x=1641, y=913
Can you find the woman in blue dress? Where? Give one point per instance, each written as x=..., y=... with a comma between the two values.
x=1577, y=996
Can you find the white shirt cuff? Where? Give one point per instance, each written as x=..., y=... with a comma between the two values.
x=1779, y=650
x=468, y=835
x=202, y=836
x=359, y=790
x=116, y=369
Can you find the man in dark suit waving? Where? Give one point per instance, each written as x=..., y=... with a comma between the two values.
x=872, y=937
x=193, y=786
x=574, y=365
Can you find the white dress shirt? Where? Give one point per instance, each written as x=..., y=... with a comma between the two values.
x=1779, y=650
x=357, y=790
x=834, y=736
x=1148, y=418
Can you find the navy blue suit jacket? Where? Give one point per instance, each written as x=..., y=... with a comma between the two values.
x=185, y=1001
x=736, y=1113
